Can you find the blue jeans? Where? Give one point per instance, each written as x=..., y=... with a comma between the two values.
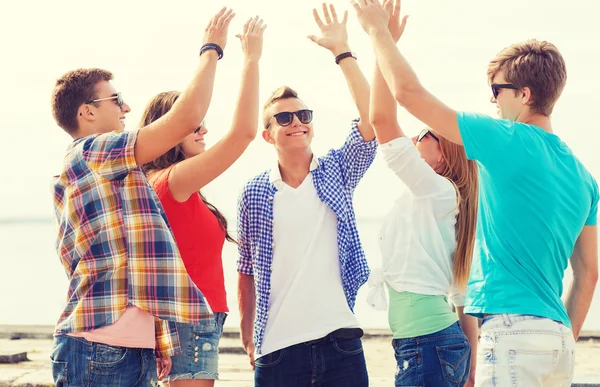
x=438, y=360
x=332, y=362
x=78, y=362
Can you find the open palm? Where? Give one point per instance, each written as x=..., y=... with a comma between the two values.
x=334, y=35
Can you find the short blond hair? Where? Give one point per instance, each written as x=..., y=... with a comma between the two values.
x=534, y=64
x=284, y=92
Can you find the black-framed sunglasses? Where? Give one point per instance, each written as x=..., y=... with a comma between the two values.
x=285, y=118
x=198, y=129
x=497, y=86
x=424, y=133
x=117, y=96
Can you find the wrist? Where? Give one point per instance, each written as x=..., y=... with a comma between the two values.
x=345, y=55
x=212, y=47
x=340, y=49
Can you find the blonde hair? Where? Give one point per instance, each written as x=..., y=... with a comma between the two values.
x=463, y=174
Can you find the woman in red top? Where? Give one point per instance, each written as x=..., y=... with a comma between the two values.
x=198, y=227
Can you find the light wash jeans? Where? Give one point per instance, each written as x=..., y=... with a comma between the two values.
x=524, y=351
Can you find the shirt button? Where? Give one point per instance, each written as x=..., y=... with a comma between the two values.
x=270, y=197
x=195, y=348
x=197, y=337
x=196, y=354
x=270, y=268
x=273, y=244
x=195, y=360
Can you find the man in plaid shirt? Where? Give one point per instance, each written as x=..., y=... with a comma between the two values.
x=128, y=284
x=301, y=261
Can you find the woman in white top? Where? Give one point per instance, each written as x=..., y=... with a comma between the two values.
x=426, y=243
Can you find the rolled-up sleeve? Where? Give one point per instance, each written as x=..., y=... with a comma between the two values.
x=356, y=156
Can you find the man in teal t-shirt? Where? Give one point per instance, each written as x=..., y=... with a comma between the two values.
x=537, y=209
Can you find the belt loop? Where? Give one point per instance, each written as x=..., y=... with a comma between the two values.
x=506, y=319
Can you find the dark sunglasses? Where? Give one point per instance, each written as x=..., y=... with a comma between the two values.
x=285, y=118
x=198, y=129
x=424, y=134
x=117, y=96
x=497, y=86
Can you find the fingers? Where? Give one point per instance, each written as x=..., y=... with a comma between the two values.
x=222, y=19
x=257, y=25
x=334, y=16
x=355, y=5
x=387, y=7
x=397, y=7
x=215, y=18
x=246, y=26
x=345, y=17
x=403, y=24
x=262, y=29
x=317, y=18
x=326, y=14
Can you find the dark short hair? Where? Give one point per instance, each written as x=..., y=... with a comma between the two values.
x=71, y=91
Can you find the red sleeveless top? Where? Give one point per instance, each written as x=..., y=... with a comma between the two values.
x=200, y=239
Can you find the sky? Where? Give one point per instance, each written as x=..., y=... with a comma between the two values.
x=152, y=46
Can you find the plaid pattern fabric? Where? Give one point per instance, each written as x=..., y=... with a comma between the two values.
x=116, y=246
x=335, y=179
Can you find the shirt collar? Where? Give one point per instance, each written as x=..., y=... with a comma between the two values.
x=275, y=174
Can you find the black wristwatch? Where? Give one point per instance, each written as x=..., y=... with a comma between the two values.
x=212, y=46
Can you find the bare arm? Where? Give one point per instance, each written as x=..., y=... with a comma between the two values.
x=400, y=77
x=334, y=37
x=470, y=326
x=584, y=262
x=383, y=115
x=194, y=173
x=247, y=308
x=190, y=108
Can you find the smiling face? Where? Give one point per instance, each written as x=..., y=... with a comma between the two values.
x=193, y=144
x=293, y=137
x=104, y=116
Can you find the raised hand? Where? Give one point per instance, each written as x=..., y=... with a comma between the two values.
x=372, y=16
x=252, y=38
x=395, y=26
x=216, y=31
x=334, y=36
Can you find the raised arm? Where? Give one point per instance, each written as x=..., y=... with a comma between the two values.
x=584, y=262
x=400, y=77
x=190, y=108
x=383, y=114
x=334, y=37
x=194, y=173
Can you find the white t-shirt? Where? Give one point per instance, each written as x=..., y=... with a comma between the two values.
x=307, y=298
x=417, y=238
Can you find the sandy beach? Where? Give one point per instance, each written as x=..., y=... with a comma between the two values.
x=233, y=367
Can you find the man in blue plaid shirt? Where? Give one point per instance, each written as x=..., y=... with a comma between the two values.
x=301, y=261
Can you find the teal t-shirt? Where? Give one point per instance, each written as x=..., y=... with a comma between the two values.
x=535, y=197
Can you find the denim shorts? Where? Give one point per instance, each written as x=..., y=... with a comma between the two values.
x=199, y=355
x=441, y=359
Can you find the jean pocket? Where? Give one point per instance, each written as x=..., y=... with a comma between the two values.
x=348, y=346
x=269, y=360
x=59, y=373
x=108, y=357
x=455, y=360
x=407, y=362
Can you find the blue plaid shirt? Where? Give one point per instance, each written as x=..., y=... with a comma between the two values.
x=335, y=179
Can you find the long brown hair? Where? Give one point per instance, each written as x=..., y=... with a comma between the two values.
x=156, y=108
x=463, y=174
